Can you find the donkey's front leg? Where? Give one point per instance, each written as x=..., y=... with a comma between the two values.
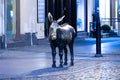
x=54, y=59
x=61, y=57
x=54, y=56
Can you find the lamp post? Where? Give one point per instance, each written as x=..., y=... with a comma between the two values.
x=96, y=20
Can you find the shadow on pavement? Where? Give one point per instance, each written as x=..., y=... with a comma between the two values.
x=45, y=71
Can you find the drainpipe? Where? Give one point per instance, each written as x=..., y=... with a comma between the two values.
x=4, y=24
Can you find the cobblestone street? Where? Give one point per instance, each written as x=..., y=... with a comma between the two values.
x=34, y=62
x=100, y=71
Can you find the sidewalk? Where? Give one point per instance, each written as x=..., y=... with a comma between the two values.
x=34, y=62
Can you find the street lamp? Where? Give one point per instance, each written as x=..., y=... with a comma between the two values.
x=96, y=20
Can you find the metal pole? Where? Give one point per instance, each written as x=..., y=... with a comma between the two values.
x=98, y=30
x=98, y=37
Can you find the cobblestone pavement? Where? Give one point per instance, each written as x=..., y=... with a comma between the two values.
x=100, y=71
x=33, y=63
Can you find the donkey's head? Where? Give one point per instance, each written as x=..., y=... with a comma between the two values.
x=54, y=25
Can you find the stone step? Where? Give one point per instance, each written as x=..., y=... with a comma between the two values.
x=82, y=34
x=15, y=44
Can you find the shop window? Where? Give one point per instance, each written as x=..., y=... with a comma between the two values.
x=104, y=8
x=80, y=15
x=10, y=21
x=40, y=11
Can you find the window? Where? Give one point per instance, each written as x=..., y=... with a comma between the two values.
x=10, y=19
x=80, y=15
x=40, y=11
x=104, y=8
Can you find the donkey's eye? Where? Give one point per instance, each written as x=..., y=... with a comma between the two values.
x=52, y=29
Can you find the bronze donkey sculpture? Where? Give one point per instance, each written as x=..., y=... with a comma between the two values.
x=60, y=36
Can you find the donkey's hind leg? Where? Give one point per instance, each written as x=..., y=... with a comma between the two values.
x=65, y=55
x=71, y=53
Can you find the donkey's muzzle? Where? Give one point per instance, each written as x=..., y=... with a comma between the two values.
x=53, y=37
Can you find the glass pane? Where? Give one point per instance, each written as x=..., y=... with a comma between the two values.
x=10, y=21
x=9, y=17
x=104, y=8
x=80, y=15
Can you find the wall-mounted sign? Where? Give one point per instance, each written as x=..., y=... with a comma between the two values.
x=40, y=11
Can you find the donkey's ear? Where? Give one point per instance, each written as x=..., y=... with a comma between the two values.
x=50, y=17
x=60, y=19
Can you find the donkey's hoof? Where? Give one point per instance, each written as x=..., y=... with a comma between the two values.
x=60, y=65
x=53, y=66
x=72, y=64
x=65, y=63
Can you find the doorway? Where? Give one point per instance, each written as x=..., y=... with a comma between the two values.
x=10, y=20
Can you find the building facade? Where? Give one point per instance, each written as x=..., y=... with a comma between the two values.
x=25, y=21
x=19, y=22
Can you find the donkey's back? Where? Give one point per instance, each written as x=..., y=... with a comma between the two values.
x=67, y=32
